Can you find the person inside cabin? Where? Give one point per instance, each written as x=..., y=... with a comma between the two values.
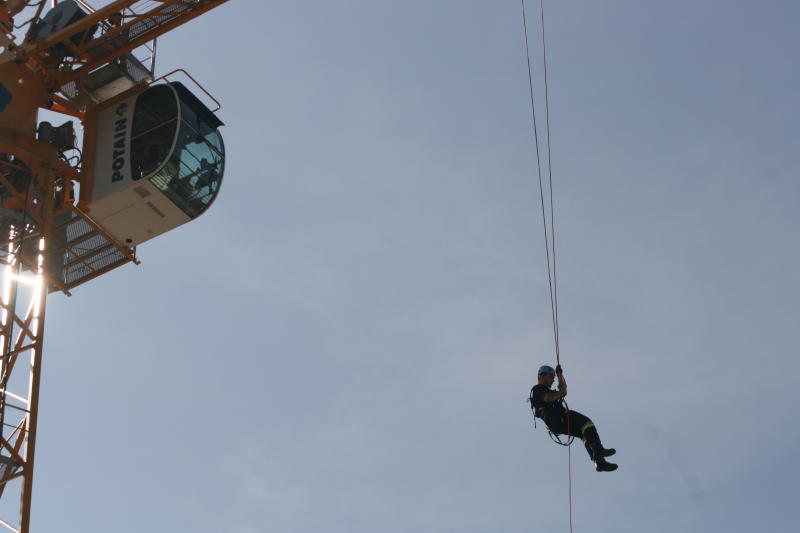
x=547, y=404
x=214, y=177
x=203, y=173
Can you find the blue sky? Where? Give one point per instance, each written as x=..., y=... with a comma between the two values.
x=344, y=341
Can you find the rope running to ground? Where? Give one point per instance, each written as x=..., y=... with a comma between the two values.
x=549, y=234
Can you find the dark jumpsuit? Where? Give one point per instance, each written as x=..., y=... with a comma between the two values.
x=554, y=416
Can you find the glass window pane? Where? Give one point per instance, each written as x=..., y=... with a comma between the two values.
x=149, y=150
x=190, y=182
x=192, y=177
x=154, y=107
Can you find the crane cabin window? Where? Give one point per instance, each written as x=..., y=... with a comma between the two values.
x=192, y=175
x=155, y=121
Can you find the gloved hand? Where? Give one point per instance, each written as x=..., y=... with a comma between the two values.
x=558, y=370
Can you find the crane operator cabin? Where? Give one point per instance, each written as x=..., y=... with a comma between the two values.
x=158, y=163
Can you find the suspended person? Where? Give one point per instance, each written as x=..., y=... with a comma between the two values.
x=547, y=405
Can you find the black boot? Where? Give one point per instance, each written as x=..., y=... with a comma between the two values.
x=602, y=465
x=593, y=445
x=607, y=452
x=599, y=454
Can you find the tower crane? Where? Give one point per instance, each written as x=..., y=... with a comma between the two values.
x=152, y=158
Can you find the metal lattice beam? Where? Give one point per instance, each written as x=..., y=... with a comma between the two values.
x=119, y=27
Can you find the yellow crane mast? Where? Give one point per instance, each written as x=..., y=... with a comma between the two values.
x=152, y=158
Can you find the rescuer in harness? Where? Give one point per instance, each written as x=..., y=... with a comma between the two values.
x=547, y=405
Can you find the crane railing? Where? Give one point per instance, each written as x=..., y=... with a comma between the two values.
x=72, y=52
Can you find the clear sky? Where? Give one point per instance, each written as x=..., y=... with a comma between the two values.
x=343, y=343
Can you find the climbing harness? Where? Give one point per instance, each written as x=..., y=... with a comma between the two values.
x=539, y=413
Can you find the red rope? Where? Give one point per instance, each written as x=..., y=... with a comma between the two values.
x=569, y=479
x=553, y=241
x=550, y=179
x=541, y=185
x=550, y=241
